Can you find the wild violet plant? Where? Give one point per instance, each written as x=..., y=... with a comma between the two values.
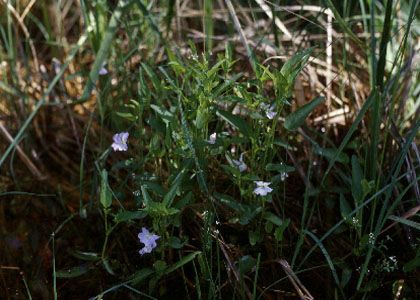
x=178, y=126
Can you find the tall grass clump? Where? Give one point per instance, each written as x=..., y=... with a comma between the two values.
x=209, y=149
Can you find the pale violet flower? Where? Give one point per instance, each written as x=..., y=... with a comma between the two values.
x=240, y=164
x=120, y=141
x=262, y=188
x=148, y=239
x=269, y=110
x=212, y=139
x=56, y=65
x=103, y=70
x=270, y=114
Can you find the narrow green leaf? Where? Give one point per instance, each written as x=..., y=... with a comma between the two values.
x=170, y=196
x=272, y=218
x=327, y=256
x=343, y=23
x=125, y=216
x=103, y=50
x=9, y=89
x=186, y=259
x=356, y=180
x=208, y=23
x=412, y=264
x=330, y=154
x=297, y=118
x=407, y=222
x=236, y=122
x=349, y=134
x=141, y=275
x=344, y=208
x=72, y=272
x=153, y=77
x=88, y=256
x=294, y=65
x=105, y=196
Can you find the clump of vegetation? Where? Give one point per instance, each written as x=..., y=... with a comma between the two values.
x=209, y=149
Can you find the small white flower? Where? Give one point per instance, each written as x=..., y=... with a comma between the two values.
x=212, y=139
x=240, y=164
x=283, y=176
x=355, y=222
x=372, y=238
x=262, y=188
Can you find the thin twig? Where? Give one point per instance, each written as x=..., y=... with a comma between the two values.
x=31, y=166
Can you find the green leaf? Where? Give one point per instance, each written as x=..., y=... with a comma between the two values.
x=9, y=89
x=326, y=255
x=105, y=195
x=125, y=216
x=127, y=115
x=141, y=275
x=246, y=212
x=236, y=122
x=295, y=64
x=297, y=118
x=343, y=23
x=166, y=116
x=367, y=187
x=356, y=180
x=107, y=267
x=246, y=264
x=281, y=143
x=272, y=218
x=72, y=272
x=170, y=196
x=186, y=259
x=175, y=242
x=407, y=222
x=254, y=237
x=153, y=77
x=159, y=265
x=103, y=49
x=278, y=233
x=202, y=118
x=345, y=277
x=412, y=264
x=88, y=256
x=344, y=207
x=331, y=153
x=349, y=134
x=159, y=209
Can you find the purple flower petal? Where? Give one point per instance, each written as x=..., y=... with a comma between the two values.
x=148, y=239
x=120, y=141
